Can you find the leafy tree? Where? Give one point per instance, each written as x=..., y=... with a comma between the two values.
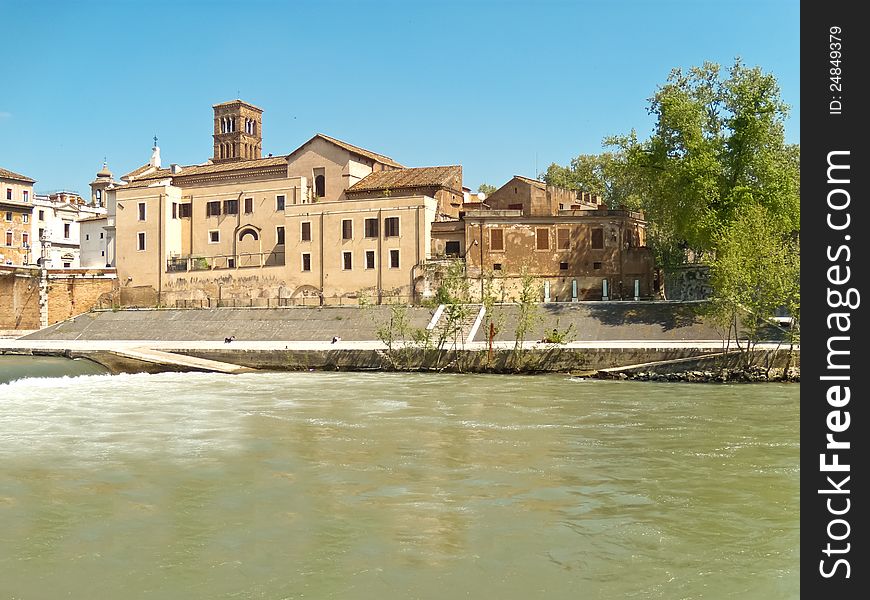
x=603, y=174
x=718, y=149
x=486, y=188
x=756, y=270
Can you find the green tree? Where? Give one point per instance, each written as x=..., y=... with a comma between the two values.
x=486, y=188
x=717, y=150
x=604, y=175
x=756, y=270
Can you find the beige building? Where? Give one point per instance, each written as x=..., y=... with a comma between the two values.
x=16, y=206
x=251, y=230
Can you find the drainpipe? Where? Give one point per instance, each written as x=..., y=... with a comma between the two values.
x=160, y=246
x=480, y=245
x=380, y=280
x=322, y=282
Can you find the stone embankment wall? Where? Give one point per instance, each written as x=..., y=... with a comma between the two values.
x=71, y=292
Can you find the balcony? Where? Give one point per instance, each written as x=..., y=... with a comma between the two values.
x=182, y=264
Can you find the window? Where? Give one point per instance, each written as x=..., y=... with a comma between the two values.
x=42, y=215
x=175, y=210
x=319, y=182
x=25, y=195
x=496, y=266
x=9, y=193
x=231, y=207
x=67, y=265
x=279, y=202
x=8, y=238
x=231, y=263
x=515, y=206
x=563, y=239
x=598, y=239
x=8, y=215
x=306, y=231
x=249, y=205
x=279, y=233
x=25, y=240
x=563, y=266
x=346, y=229
x=596, y=265
x=98, y=196
x=184, y=210
x=452, y=248
x=496, y=239
x=306, y=261
x=42, y=232
x=542, y=239
x=371, y=228
x=101, y=235
x=213, y=209
x=66, y=228
x=248, y=232
x=391, y=227
x=141, y=240
x=87, y=236
x=214, y=236
x=26, y=218
x=370, y=259
x=141, y=211
x=394, y=259
x=347, y=261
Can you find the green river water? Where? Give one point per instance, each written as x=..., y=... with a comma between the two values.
x=385, y=485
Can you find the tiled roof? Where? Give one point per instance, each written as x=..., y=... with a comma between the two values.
x=237, y=101
x=136, y=172
x=351, y=148
x=239, y=165
x=5, y=174
x=409, y=178
x=531, y=181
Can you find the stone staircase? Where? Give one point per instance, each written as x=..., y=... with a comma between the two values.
x=457, y=324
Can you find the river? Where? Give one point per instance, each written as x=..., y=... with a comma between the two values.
x=384, y=485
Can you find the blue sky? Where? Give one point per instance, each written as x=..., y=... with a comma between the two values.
x=501, y=87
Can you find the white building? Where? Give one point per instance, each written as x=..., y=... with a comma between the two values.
x=56, y=228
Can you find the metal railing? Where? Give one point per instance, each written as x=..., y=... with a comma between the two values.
x=180, y=264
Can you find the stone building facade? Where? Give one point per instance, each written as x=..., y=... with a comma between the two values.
x=16, y=208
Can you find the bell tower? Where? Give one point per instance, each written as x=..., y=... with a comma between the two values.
x=238, y=131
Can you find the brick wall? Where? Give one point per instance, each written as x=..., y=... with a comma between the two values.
x=70, y=293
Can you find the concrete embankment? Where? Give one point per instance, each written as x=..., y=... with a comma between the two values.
x=597, y=336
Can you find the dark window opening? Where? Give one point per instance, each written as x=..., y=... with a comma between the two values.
x=370, y=259
x=279, y=202
x=141, y=211
x=249, y=205
x=231, y=207
x=391, y=227
x=563, y=266
x=306, y=231
x=347, y=261
x=231, y=263
x=141, y=241
x=184, y=210
x=371, y=228
x=452, y=248
x=496, y=239
x=346, y=229
x=543, y=239
x=213, y=209
x=280, y=232
x=320, y=186
x=496, y=267
x=563, y=239
x=596, y=265
x=251, y=232
x=394, y=259
x=306, y=261
x=598, y=239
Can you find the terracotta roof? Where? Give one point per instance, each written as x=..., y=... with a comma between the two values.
x=351, y=148
x=94, y=218
x=4, y=174
x=237, y=101
x=136, y=172
x=408, y=178
x=239, y=165
x=531, y=181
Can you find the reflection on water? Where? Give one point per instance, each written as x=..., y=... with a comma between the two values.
x=338, y=485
